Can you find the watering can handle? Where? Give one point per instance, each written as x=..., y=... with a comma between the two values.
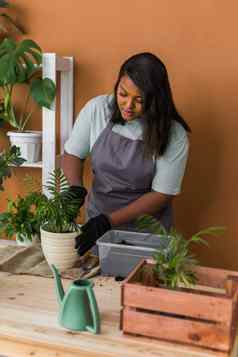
x=95, y=313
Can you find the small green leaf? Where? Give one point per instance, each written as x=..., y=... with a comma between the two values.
x=214, y=231
x=197, y=239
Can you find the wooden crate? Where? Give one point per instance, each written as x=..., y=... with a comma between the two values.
x=206, y=315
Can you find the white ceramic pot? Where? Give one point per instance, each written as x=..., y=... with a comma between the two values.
x=58, y=248
x=24, y=241
x=29, y=142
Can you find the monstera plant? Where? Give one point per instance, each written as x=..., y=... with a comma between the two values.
x=20, y=63
x=20, y=66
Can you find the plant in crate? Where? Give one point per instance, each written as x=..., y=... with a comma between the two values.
x=161, y=292
x=174, y=265
x=20, y=65
x=57, y=214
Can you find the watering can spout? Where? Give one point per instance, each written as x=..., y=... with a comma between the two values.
x=58, y=284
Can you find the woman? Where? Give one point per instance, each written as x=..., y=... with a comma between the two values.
x=138, y=145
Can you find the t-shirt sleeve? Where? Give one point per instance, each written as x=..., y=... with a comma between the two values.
x=78, y=143
x=170, y=168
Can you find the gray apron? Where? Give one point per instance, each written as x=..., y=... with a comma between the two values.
x=121, y=176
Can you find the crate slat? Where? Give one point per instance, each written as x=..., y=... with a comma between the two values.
x=213, y=277
x=214, y=336
x=214, y=308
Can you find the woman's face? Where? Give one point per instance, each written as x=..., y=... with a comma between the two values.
x=129, y=99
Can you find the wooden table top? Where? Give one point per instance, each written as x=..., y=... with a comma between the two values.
x=29, y=327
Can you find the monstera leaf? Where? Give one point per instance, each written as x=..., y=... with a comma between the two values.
x=18, y=61
x=43, y=92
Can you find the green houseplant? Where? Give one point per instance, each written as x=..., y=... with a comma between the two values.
x=174, y=266
x=9, y=157
x=161, y=300
x=57, y=215
x=20, y=219
x=20, y=65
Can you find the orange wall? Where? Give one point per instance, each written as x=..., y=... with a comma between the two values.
x=198, y=42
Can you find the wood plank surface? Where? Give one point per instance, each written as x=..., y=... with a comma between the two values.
x=29, y=327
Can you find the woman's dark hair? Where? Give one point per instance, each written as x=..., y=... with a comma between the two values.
x=149, y=74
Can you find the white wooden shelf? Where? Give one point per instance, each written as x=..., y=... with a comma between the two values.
x=37, y=165
x=51, y=64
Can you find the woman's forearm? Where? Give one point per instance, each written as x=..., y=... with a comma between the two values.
x=73, y=169
x=149, y=203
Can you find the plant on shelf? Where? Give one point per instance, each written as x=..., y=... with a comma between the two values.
x=20, y=64
x=20, y=218
x=9, y=157
x=174, y=265
x=57, y=215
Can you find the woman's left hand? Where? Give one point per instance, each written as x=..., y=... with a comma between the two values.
x=91, y=232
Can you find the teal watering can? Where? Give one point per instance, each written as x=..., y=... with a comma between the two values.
x=78, y=306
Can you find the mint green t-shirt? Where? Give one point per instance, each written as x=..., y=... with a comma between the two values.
x=92, y=120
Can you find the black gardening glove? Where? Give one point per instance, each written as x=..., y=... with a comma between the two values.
x=91, y=231
x=79, y=192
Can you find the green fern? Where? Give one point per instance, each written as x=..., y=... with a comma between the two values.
x=60, y=210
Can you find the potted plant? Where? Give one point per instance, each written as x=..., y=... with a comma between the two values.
x=9, y=157
x=172, y=298
x=20, y=64
x=20, y=219
x=174, y=266
x=57, y=215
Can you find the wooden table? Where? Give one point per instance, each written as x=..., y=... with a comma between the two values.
x=29, y=327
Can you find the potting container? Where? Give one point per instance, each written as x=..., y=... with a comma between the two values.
x=58, y=248
x=120, y=251
x=29, y=142
x=204, y=315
